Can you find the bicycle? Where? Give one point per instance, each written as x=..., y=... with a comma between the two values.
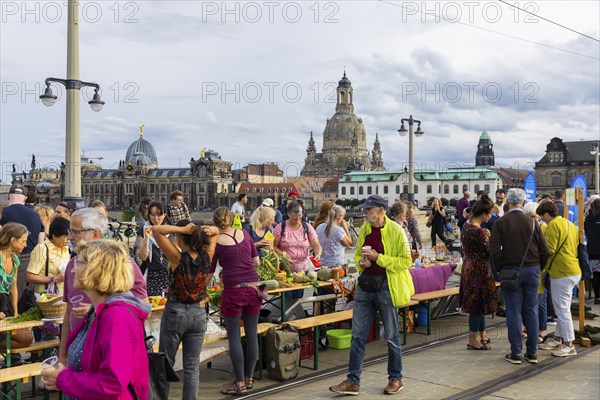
x=353, y=233
x=119, y=234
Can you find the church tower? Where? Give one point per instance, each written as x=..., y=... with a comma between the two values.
x=376, y=157
x=485, y=151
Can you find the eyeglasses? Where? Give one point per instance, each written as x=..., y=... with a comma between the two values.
x=74, y=232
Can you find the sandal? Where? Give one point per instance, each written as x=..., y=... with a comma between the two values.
x=486, y=341
x=483, y=347
x=249, y=383
x=234, y=389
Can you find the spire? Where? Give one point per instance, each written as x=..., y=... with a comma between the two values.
x=311, y=145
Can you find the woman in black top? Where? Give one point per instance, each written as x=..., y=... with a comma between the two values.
x=592, y=232
x=150, y=256
x=437, y=224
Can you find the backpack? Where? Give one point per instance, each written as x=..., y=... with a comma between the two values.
x=282, y=352
x=304, y=226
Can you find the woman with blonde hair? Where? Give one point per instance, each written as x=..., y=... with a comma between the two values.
x=102, y=364
x=334, y=237
x=437, y=221
x=260, y=224
x=46, y=214
x=13, y=239
x=241, y=298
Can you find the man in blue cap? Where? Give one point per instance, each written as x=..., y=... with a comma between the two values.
x=383, y=259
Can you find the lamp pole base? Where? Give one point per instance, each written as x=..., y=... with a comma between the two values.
x=78, y=201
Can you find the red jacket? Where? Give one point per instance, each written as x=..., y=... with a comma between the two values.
x=114, y=354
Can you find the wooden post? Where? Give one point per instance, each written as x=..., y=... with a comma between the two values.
x=579, y=199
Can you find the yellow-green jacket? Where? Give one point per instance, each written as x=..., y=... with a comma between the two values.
x=396, y=259
x=564, y=263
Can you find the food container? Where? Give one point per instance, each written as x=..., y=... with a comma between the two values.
x=339, y=338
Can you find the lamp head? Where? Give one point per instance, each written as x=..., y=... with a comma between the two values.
x=96, y=103
x=402, y=131
x=419, y=132
x=48, y=98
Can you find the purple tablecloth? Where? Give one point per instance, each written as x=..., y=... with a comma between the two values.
x=432, y=278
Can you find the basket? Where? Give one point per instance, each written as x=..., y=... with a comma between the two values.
x=52, y=307
x=339, y=338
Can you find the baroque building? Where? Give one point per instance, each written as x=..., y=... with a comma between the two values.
x=562, y=161
x=344, y=141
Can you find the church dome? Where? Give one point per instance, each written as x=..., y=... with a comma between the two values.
x=143, y=151
x=341, y=128
x=344, y=82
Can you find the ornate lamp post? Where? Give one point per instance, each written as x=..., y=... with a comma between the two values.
x=73, y=86
x=596, y=151
x=411, y=171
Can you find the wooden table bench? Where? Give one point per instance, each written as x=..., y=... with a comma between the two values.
x=36, y=347
x=19, y=375
x=436, y=294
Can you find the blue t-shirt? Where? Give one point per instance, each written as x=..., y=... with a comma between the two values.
x=26, y=216
x=333, y=249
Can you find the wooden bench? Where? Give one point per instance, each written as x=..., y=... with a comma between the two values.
x=314, y=323
x=19, y=374
x=36, y=347
x=404, y=308
x=436, y=294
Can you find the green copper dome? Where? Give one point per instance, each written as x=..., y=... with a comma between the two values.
x=484, y=136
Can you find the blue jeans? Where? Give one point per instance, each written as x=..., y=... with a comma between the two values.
x=522, y=309
x=185, y=323
x=366, y=304
x=476, y=322
x=542, y=311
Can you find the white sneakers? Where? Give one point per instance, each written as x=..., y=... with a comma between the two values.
x=550, y=344
x=564, y=351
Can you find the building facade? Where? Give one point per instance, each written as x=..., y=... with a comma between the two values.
x=344, y=141
x=562, y=161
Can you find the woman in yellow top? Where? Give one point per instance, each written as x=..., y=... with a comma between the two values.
x=55, y=250
x=562, y=238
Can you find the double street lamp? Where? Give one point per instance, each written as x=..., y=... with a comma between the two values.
x=411, y=172
x=596, y=152
x=73, y=86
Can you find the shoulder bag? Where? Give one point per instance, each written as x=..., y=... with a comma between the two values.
x=509, y=277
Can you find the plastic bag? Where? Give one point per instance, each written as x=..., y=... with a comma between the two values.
x=237, y=222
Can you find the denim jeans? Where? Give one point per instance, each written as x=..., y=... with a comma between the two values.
x=366, y=304
x=522, y=309
x=542, y=311
x=184, y=323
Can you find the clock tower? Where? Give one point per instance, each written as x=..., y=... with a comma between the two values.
x=485, y=151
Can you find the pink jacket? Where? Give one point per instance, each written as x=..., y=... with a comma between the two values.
x=114, y=353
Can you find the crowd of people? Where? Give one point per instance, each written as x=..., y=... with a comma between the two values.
x=106, y=289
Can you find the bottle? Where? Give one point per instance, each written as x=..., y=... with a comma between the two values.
x=418, y=263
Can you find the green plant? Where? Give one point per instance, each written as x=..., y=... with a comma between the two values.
x=453, y=202
x=128, y=215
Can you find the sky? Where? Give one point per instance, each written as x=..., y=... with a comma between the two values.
x=251, y=80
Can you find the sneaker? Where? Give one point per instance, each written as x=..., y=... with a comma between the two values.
x=393, y=386
x=512, y=359
x=550, y=344
x=345, y=388
x=564, y=351
x=531, y=358
x=551, y=322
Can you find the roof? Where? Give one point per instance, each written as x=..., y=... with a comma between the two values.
x=485, y=136
x=170, y=172
x=422, y=175
x=580, y=151
x=141, y=146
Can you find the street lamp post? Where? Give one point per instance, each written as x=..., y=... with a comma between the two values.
x=411, y=171
x=596, y=151
x=73, y=86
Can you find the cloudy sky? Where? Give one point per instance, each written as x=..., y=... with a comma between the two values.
x=251, y=80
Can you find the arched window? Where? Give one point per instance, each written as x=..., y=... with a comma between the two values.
x=369, y=190
x=351, y=190
x=465, y=188
x=416, y=189
x=487, y=188
x=343, y=191
x=360, y=190
x=455, y=189
x=397, y=189
x=476, y=189
x=446, y=189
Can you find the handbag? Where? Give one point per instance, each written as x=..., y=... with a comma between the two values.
x=584, y=262
x=28, y=299
x=510, y=277
x=370, y=283
x=429, y=222
x=160, y=370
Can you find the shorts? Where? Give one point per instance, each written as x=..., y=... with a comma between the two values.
x=236, y=302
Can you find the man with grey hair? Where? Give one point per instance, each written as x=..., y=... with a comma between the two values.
x=87, y=224
x=517, y=243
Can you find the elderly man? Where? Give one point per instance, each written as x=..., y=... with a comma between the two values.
x=517, y=242
x=384, y=284
x=16, y=211
x=87, y=224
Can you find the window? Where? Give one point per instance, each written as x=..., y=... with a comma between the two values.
x=556, y=180
x=465, y=188
x=405, y=189
x=455, y=189
x=385, y=189
x=397, y=189
x=486, y=188
x=446, y=189
x=152, y=188
x=369, y=190
x=247, y=190
x=282, y=190
x=415, y=189
x=343, y=191
x=351, y=190
x=360, y=190
x=262, y=190
x=429, y=189
x=476, y=189
x=276, y=190
x=253, y=190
